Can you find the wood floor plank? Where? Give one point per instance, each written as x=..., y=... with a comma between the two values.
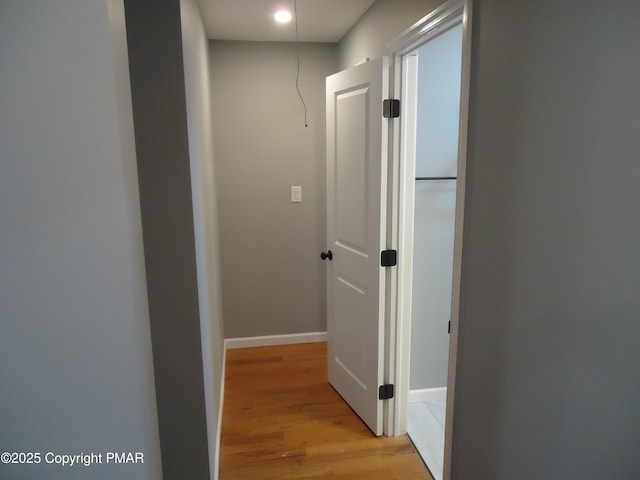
x=282, y=420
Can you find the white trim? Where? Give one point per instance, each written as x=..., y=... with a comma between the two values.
x=270, y=340
x=449, y=14
x=435, y=23
x=439, y=21
x=463, y=135
x=427, y=394
x=405, y=85
x=216, y=459
x=390, y=332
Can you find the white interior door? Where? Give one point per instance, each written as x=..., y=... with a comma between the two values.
x=356, y=205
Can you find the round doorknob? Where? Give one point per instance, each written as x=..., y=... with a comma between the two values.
x=328, y=255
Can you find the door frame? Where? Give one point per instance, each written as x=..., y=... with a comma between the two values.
x=401, y=190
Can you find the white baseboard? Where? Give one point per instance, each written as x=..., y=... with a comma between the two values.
x=216, y=472
x=271, y=340
x=427, y=394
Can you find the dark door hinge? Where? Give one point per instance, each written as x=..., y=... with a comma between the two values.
x=391, y=108
x=389, y=258
x=385, y=392
x=449, y=327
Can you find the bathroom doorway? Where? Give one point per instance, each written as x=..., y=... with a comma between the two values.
x=433, y=85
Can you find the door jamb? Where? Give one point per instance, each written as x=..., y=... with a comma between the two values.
x=400, y=208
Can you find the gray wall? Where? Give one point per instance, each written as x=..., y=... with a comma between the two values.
x=205, y=212
x=76, y=369
x=381, y=23
x=273, y=279
x=548, y=382
x=163, y=157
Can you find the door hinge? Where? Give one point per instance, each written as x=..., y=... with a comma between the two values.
x=385, y=392
x=391, y=108
x=389, y=258
x=449, y=327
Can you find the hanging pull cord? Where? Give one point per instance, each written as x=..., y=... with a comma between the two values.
x=295, y=11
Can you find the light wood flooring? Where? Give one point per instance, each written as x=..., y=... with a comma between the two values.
x=283, y=421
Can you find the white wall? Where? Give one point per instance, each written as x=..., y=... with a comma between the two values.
x=273, y=279
x=75, y=351
x=205, y=213
x=381, y=23
x=439, y=70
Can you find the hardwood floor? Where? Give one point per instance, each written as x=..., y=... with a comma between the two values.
x=283, y=421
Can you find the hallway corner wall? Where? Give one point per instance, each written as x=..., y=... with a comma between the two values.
x=171, y=235
x=205, y=215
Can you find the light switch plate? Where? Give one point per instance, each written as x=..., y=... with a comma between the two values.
x=296, y=194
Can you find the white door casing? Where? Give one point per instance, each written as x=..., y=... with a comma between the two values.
x=403, y=66
x=356, y=216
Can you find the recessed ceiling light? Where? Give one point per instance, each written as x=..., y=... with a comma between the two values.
x=282, y=16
